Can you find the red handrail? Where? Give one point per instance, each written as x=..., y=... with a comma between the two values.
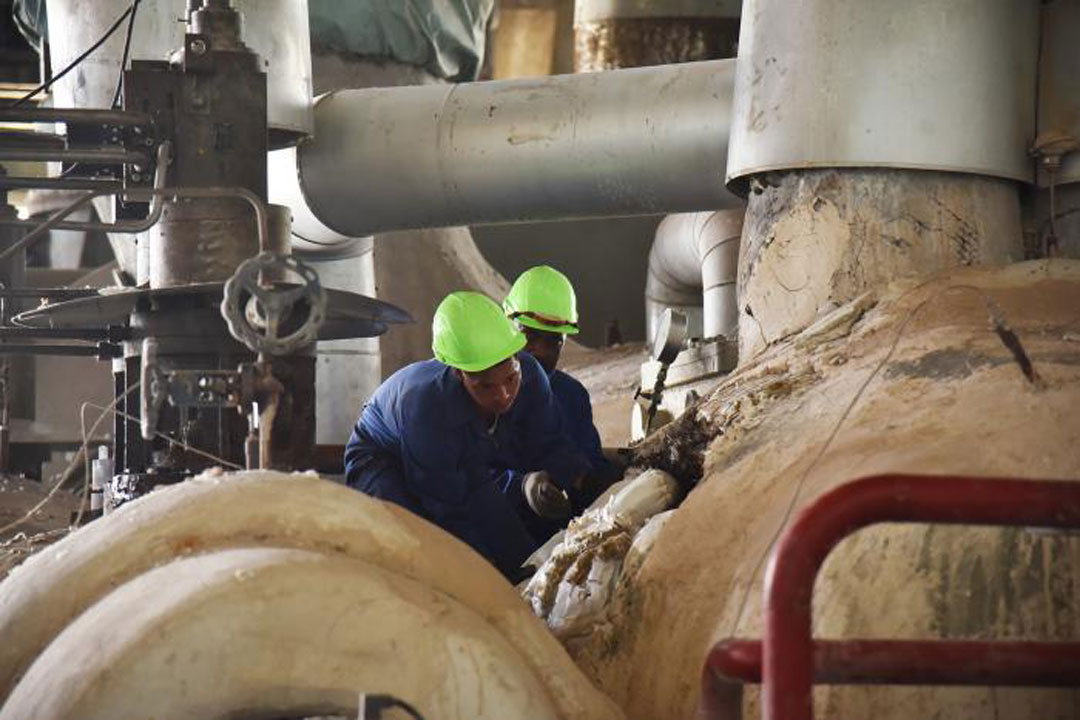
x=915, y=662
x=790, y=660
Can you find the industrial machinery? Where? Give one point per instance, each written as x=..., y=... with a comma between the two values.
x=212, y=343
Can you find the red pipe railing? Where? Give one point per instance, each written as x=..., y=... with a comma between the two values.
x=789, y=661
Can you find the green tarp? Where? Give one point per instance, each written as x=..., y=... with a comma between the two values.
x=445, y=37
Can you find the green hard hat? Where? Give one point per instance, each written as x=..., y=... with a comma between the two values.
x=470, y=332
x=543, y=298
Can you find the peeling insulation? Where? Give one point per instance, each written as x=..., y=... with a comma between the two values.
x=920, y=382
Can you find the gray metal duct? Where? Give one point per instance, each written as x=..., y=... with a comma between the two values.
x=693, y=266
x=920, y=84
x=625, y=142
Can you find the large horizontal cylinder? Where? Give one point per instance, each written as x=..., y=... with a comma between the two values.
x=921, y=84
x=626, y=142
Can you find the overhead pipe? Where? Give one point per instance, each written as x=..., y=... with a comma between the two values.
x=625, y=142
x=693, y=266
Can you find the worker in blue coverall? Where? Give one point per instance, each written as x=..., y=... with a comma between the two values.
x=543, y=304
x=436, y=433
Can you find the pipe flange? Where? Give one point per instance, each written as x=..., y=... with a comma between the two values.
x=670, y=337
x=256, y=313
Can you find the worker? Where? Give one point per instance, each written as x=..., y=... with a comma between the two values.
x=543, y=304
x=437, y=433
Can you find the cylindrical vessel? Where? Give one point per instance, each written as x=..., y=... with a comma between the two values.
x=611, y=34
x=817, y=239
x=923, y=84
x=627, y=142
x=348, y=371
x=200, y=240
x=718, y=247
x=1059, y=83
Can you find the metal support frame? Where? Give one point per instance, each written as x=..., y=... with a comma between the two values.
x=788, y=661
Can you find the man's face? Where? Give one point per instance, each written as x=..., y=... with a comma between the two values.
x=544, y=346
x=495, y=389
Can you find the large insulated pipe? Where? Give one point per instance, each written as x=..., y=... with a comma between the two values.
x=263, y=509
x=693, y=265
x=877, y=140
x=626, y=142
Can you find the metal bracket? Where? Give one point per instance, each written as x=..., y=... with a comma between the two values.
x=207, y=388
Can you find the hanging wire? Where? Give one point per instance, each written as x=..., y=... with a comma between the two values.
x=75, y=63
x=87, y=479
x=127, y=50
x=70, y=470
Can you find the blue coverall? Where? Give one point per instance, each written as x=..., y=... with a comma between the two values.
x=421, y=443
x=576, y=410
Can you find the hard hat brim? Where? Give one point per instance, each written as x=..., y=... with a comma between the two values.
x=516, y=344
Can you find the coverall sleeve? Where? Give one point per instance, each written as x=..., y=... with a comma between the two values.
x=546, y=441
x=353, y=452
x=578, y=411
x=457, y=493
x=374, y=473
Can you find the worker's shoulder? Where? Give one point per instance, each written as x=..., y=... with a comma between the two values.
x=421, y=384
x=565, y=384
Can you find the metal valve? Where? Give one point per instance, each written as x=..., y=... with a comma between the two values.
x=257, y=313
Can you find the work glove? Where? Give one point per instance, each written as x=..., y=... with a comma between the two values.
x=545, y=497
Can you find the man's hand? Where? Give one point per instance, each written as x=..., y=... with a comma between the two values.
x=544, y=496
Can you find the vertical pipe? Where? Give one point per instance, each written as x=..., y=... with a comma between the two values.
x=875, y=140
x=718, y=244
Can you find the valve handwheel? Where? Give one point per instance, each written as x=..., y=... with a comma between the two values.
x=256, y=313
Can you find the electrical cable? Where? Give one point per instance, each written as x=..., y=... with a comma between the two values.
x=74, y=63
x=377, y=703
x=172, y=441
x=70, y=471
x=127, y=50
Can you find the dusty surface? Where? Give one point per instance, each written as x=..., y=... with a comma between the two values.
x=816, y=239
x=24, y=530
x=921, y=382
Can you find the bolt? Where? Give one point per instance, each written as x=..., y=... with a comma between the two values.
x=135, y=177
x=204, y=381
x=206, y=396
x=198, y=46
